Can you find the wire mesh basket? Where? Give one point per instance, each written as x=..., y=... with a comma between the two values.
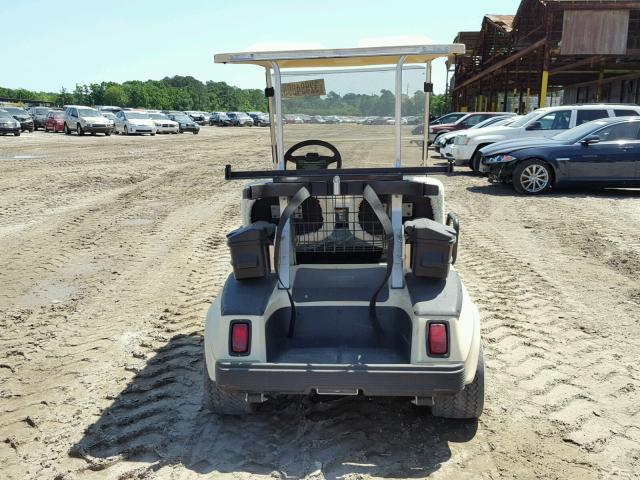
x=342, y=227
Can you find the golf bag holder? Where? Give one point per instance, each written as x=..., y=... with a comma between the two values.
x=432, y=247
x=249, y=247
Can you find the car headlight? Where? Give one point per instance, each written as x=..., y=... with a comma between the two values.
x=501, y=159
x=462, y=140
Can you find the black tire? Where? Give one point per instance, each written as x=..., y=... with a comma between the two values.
x=153, y=134
x=474, y=163
x=468, y=403
x=79, y=130
x=17, y=134
x=532, y=177
x=107, y=133
x=31, y=130
x=180, y=130
x=220, y=402
x=195, y=132
x=126, y=130
x=67, y=131
x=93, y=133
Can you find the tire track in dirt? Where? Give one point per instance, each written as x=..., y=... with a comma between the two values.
x=549, y=360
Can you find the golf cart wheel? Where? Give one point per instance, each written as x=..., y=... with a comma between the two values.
x=466, y=404
x=532, y=177
x=67, y=131
x=220, y=402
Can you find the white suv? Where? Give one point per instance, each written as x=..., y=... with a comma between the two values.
x=544, y=122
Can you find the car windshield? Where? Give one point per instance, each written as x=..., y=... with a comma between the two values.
x=489, y=121
x=58, y=114
x=344, y=99
x=182, y=118
x=524, y=120
x=137, y=115
x=16, y=111
x=576, y=133
x=158, y=116
x=4, y=114
x=88, y=112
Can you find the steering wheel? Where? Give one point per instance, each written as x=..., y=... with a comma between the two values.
x=313, y=160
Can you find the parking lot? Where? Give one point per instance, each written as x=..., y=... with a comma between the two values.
x=112, y=248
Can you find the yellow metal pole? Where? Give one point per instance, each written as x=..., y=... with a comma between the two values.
x=543, y=88
x=526, y=105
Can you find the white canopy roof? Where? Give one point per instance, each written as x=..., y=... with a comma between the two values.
x=344, y=57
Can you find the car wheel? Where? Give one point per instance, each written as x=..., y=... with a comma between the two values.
x=474, y=164
x=79, y=130
x=153, y=134
x=31, y=130
x=468, y=403
x=180, y=130
x=195, y=132
x=46, y=130
x=107, y=133
x=67, y=130
x=532, y=177
x=126, y=130
x=17, y=134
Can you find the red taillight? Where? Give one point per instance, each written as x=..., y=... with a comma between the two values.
x=437, y=339
x=240, y=333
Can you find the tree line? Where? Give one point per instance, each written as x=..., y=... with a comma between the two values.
x=188, y=93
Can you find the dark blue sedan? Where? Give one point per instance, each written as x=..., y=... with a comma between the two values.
x=604, y=153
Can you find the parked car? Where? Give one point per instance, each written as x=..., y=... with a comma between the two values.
x=83, y=119
x=260, y=119
x=21, y=115
x=196, y=116
x=54, y=121
x=109, y=115
x=220, y=119
x=541, y=123
x=8, y=124
x=600, y=153
x=164, y=124
x=240, y=119
x=132, y=122
x=447, y=138
x=185, y=123
x=463, y=123
x=39, y=115
x=448, y=118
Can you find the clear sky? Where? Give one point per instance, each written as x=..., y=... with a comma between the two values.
x=49, y=44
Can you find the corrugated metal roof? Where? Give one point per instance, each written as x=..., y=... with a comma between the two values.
x=505, y=22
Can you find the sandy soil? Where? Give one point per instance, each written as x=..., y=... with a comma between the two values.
x=111, y=250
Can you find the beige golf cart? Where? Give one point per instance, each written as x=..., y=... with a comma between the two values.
x=343, y=276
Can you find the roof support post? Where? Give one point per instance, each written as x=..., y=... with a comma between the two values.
x=425, y=122
x=398, y=124
x=278, y=101
x=272, y=123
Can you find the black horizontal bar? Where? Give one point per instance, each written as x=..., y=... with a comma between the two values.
x=342, y=172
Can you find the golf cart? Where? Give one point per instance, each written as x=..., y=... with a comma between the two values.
x=343, y=280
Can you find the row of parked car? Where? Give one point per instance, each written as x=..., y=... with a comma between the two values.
x=595, y=144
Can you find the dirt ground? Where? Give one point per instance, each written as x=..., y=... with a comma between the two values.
x=111, y=250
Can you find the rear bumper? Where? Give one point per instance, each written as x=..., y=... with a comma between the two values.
x=371, y=380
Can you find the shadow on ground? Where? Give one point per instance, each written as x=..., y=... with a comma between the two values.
x=502, y=189
x=158, y=419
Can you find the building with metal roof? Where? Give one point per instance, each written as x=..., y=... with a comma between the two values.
x=550, y=52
